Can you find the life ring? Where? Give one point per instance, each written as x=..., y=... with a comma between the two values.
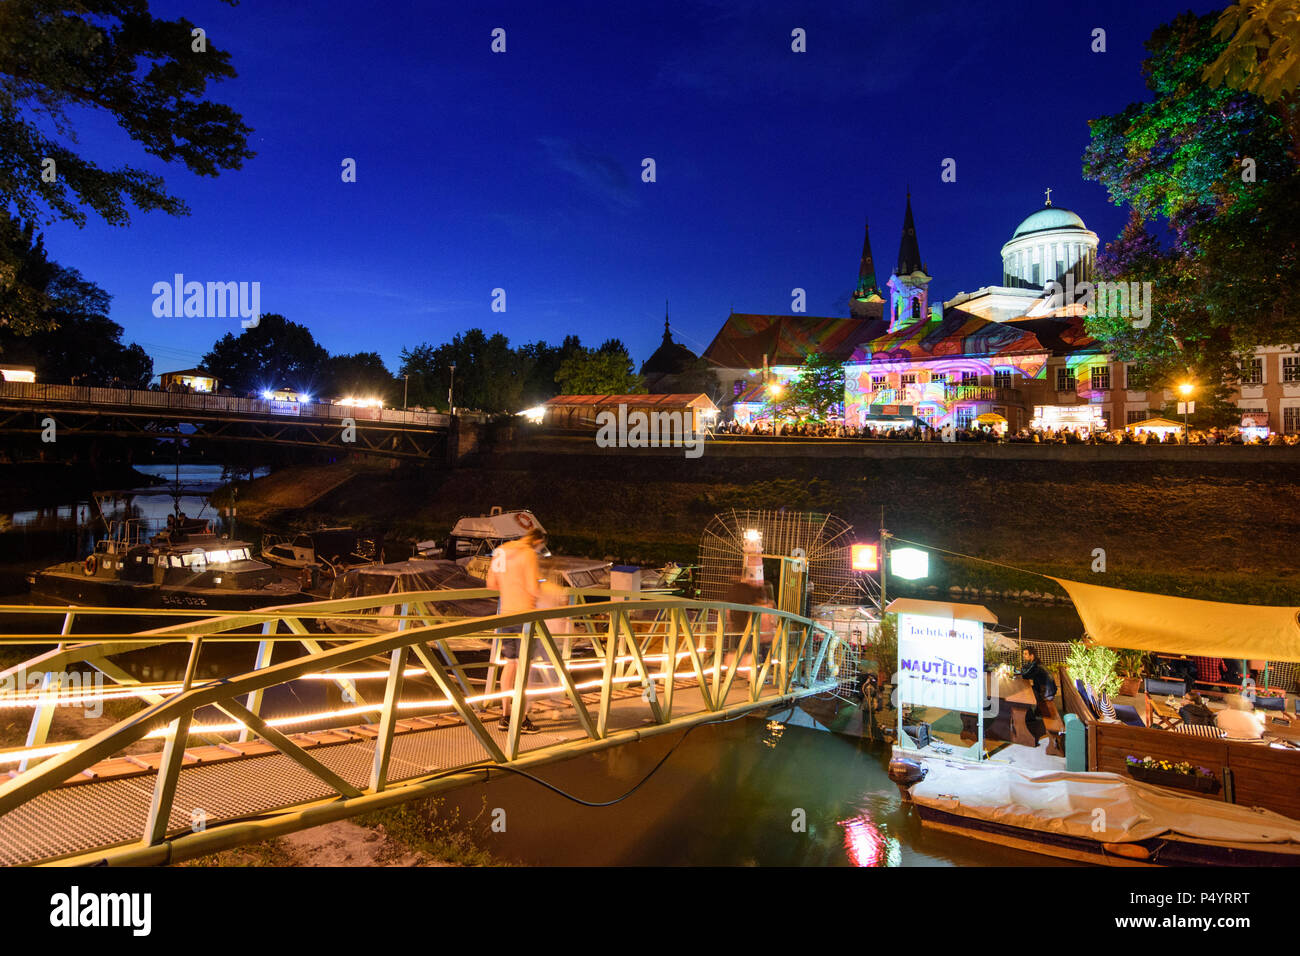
x=524, y=521
x=89, y=566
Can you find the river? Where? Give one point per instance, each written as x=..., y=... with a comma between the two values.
x=746, y=793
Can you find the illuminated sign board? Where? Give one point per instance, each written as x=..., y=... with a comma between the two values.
x=909, y=563
x=865, y=557
x=941, y=663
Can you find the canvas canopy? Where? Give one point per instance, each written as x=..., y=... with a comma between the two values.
x=1157, y=622
x=949, y=609
x=1155, y=423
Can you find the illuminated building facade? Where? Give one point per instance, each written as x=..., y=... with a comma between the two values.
x=1008, y=352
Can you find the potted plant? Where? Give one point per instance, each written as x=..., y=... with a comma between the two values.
x=883, y=648
x=1132, y=667
x=1094, y=665
x=1170, y=773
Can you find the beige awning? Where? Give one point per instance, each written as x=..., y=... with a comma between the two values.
x=948, y=609
x=1157, y=622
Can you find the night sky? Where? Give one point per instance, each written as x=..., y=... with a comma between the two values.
x=522, y=170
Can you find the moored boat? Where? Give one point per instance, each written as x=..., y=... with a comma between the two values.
x=188, y=565
x=1100, y=818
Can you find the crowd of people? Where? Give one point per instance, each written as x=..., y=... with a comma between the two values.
x=988, y=433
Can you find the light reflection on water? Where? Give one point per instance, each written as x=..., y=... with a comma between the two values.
x=729, y=795
x=153, y=503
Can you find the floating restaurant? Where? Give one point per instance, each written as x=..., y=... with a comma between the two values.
x=1168, y=736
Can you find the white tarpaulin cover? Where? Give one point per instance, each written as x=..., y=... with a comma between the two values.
x=1054, y=801
x=507, y=526
x=1158, y=622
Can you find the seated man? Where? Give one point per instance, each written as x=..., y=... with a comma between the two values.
x=1034, y=672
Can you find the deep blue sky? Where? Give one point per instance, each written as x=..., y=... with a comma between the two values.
x=522, y=170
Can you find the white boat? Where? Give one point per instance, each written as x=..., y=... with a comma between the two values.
x=1096, y=817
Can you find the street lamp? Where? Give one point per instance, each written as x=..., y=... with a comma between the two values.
x=1185, y=390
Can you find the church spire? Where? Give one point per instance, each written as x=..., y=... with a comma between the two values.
x=668, y=336
x=867, y=267
x=909, y=253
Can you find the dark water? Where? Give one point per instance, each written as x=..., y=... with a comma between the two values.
x=728, y=796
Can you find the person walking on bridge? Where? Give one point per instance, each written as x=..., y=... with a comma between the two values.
x=516, y=575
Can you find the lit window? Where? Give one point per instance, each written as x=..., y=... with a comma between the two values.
x=1291, y=420
x=1101, y=378
x=1002, y=379
x=1291, y=368
x=1065, y=379
x=908, y=378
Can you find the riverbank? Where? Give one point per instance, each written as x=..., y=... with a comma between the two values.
x=418, y=833
x=1193, y=529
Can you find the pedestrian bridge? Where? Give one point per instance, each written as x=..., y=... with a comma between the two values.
x=273, y=723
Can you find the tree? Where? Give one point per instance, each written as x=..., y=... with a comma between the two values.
x=1218, y=166
x=816, y=389
x=271, y=354
x=53, y=318
x=110, y=56
x=539, y=362
x=598, y=372
x=359, y=375
x=26, y=277
x=489, y=374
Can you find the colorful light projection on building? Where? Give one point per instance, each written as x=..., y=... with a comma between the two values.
x=754, y=405
x=933, y=391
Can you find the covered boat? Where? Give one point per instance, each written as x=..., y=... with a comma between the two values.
x=402, y=577
x=1099, y=818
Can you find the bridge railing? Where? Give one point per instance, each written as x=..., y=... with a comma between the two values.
x=669, y=659
x=40, y=393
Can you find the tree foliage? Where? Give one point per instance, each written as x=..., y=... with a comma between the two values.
x=815, y=390
x=599, y=372
x=1262, y=55
x=110, y=56
x=1211, y=172
x=273, y=353
x=359, y=375
x=489, y=376
x=53, y=318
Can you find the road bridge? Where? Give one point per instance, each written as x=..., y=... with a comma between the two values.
x=33, y=408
